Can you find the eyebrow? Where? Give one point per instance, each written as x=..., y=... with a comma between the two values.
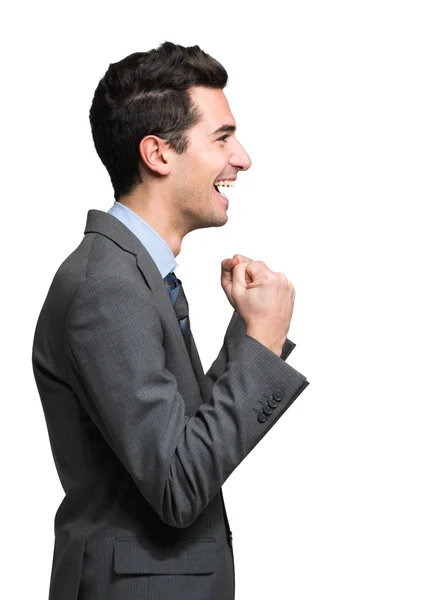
x=224, y=129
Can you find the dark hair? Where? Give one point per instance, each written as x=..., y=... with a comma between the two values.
x=146, y=94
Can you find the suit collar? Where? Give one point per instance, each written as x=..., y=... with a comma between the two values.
x=105, y=224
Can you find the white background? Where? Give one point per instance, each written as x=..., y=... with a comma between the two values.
x=337, y=105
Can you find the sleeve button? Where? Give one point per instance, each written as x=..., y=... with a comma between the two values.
x=272, y=402
x=267, y=410
x=261, y=417
x=277, y=395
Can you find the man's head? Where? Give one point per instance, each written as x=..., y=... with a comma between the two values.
x=155, y=118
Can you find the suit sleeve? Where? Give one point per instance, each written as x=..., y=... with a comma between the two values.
x=116, y=365
x=234, y=335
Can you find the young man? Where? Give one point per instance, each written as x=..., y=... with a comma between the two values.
x=142, y=438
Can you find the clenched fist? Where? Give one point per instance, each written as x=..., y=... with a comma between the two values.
x=264, y=299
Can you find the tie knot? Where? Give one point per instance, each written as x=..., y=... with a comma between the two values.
x=171, y=280
x=177, y=295
x=181, y=307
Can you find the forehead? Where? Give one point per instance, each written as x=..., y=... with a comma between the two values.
x=214, y=107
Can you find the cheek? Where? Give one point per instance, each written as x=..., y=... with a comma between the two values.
x=200, y=169
x=214, y=159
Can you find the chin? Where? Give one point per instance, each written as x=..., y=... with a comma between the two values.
x=222, y=219
x=220, y=223
x=216, y=221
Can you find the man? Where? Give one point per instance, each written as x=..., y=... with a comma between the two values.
x=142, y=438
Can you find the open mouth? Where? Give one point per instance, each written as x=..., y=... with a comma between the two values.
x=218, y=187
x=222, y=197
x=219, y=191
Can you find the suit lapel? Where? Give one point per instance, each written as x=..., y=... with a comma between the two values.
x=101, y=222
x=149, y=270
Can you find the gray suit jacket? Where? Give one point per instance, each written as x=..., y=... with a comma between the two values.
x=141, y=437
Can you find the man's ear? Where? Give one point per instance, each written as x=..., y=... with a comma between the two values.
x=154, y=154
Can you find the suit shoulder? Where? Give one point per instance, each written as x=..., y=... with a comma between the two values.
x=96, y=257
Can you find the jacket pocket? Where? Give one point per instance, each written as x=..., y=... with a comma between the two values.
x=142, y=556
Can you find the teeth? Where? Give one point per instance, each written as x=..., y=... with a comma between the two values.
x=226, y=183
x=222, y=194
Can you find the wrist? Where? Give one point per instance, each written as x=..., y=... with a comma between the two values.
x=273, y=346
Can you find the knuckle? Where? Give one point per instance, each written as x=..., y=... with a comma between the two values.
x=267, y=276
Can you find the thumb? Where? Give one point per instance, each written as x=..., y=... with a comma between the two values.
x=227, y=266
x=240, y=275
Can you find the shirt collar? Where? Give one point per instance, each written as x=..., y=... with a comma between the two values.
x=159, y=250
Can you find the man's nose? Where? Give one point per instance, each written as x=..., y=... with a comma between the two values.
x=240, y=158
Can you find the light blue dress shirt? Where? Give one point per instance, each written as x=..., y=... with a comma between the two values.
x=159, y=250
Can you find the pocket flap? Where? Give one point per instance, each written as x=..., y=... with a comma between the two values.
x=140, y=555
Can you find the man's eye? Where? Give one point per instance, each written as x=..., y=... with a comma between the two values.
x=223, y=139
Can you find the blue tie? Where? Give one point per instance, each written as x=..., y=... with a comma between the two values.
x=181, y=307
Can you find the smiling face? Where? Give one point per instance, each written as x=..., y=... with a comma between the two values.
x=213, y=154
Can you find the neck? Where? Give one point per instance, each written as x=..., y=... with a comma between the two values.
x=158, y=214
